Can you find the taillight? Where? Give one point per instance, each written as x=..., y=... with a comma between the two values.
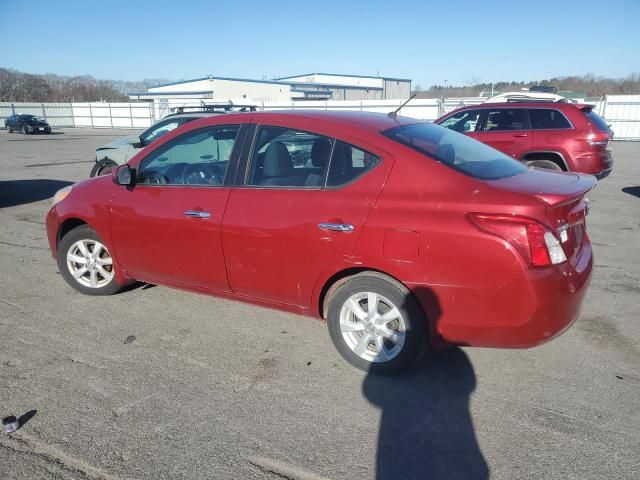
x=598, y=139
x=536, y=243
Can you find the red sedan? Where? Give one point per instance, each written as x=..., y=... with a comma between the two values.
x=401, y=234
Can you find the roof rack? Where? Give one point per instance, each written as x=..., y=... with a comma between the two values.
x=215, y=108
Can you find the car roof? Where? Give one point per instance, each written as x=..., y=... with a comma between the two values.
x=520, y=105
x=353, y=120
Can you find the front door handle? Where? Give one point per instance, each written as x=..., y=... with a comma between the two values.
x=197, y=214
x=520, y=135
x=336, y=227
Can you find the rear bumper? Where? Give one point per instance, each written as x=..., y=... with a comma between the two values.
x=532, y=308
x=598, y=164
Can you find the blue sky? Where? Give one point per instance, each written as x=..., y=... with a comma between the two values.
x=428, y=42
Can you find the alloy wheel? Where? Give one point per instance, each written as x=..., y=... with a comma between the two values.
x=372, y=327
x=90, y=263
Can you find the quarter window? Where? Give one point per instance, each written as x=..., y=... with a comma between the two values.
x=506, y=119
x=200, y=157
x=547, y=119
x=349, y=163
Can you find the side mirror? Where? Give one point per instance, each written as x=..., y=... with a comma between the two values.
x=122, y=175
x=138, y=144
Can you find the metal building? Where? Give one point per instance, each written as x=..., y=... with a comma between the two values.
x=313, y=86
x=333, y=86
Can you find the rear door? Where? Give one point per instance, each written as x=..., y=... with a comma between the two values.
x=507, y=130
x=294, y=219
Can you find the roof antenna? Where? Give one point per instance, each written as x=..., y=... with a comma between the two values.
x=394, y=114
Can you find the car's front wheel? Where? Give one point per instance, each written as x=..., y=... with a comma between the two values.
x=24, y=130
x=86, y=264
x=103, y=167
x=376, y=324
x=9, y=129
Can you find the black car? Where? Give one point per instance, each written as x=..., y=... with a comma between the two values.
x=27, y=124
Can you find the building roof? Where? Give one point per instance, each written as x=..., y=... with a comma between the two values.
x=219, y=78
x=345, y=75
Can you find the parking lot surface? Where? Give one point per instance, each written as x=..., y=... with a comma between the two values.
x=158, y=383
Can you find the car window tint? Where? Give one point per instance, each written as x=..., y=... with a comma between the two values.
x=196, y=158
x=159, y=131
x=465, y=121
x=289, y=158
x=506, y=119
x=547, y=119
x=348, y=163
x=456, y=151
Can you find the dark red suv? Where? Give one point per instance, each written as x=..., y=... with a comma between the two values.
x=558, y=136
x=399, y=233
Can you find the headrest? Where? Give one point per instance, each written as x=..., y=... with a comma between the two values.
x=446, y=153
x=320, y=152
x=277, y=161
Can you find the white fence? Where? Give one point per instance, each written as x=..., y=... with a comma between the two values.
x=621, y=111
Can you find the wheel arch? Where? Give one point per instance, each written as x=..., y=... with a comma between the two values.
x=66, y=226
x=552, y=155
x=338, y=278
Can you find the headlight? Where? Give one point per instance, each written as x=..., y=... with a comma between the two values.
x=61, y=195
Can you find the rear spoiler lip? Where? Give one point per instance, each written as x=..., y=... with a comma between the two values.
x=582, y=186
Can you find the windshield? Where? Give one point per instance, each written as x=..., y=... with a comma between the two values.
x=456, y=151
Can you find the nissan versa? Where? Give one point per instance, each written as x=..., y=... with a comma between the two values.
x=403, y=235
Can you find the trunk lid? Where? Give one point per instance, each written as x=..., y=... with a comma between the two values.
x=564, y=196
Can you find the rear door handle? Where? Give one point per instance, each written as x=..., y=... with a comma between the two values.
x=520, y=135
x=336, y=227
x=197, y=214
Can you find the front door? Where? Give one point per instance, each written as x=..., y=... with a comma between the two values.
x=167, y=226
x=507, y=130
x=304, y=204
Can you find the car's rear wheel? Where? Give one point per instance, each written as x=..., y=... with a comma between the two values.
x=24, y=130
x=376, y=324
x=543, y=163
x=86, y=264
x=103, y=167
x=9, y=129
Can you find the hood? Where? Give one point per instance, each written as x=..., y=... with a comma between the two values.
x=120, y=142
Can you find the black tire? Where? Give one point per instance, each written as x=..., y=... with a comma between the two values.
x=48, y=131
x=103, y=167
x=24, y=130
x=67, y=243
x=415, y=340
x=543, y=163
x=9, y=129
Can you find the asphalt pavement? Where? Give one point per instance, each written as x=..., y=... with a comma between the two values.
x=156, y=383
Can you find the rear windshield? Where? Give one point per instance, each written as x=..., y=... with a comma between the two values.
x=456, y=151
x=597, y=120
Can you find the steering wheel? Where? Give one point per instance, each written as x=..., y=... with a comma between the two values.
x=156, y=178
x=200, y=174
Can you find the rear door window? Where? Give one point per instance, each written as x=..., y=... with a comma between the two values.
x=284, y=157
x=547, y=119
x=501, y=119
